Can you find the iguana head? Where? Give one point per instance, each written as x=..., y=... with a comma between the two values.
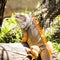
x=24, y=20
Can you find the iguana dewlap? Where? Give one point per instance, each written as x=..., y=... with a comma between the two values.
x=33, y=36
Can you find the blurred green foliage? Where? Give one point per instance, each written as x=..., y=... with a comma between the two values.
x=50, y=31
x=55, y=25
x=10, y=32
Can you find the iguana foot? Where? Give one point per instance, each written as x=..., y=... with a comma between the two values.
x=26, y=58
x=29, y=54
x=34, y=51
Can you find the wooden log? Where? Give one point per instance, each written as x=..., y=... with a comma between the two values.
x=15, y=51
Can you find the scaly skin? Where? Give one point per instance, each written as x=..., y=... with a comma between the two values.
x=33, y=36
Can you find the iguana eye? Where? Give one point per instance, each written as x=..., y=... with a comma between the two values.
x=22, y=17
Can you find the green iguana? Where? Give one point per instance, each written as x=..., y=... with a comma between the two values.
x=33, y=36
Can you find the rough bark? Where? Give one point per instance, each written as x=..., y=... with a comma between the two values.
x=49, y=10
x=2, y=7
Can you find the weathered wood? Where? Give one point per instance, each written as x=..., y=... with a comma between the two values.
x=16, y=51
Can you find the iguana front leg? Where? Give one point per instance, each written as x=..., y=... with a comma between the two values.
x=33, y=52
